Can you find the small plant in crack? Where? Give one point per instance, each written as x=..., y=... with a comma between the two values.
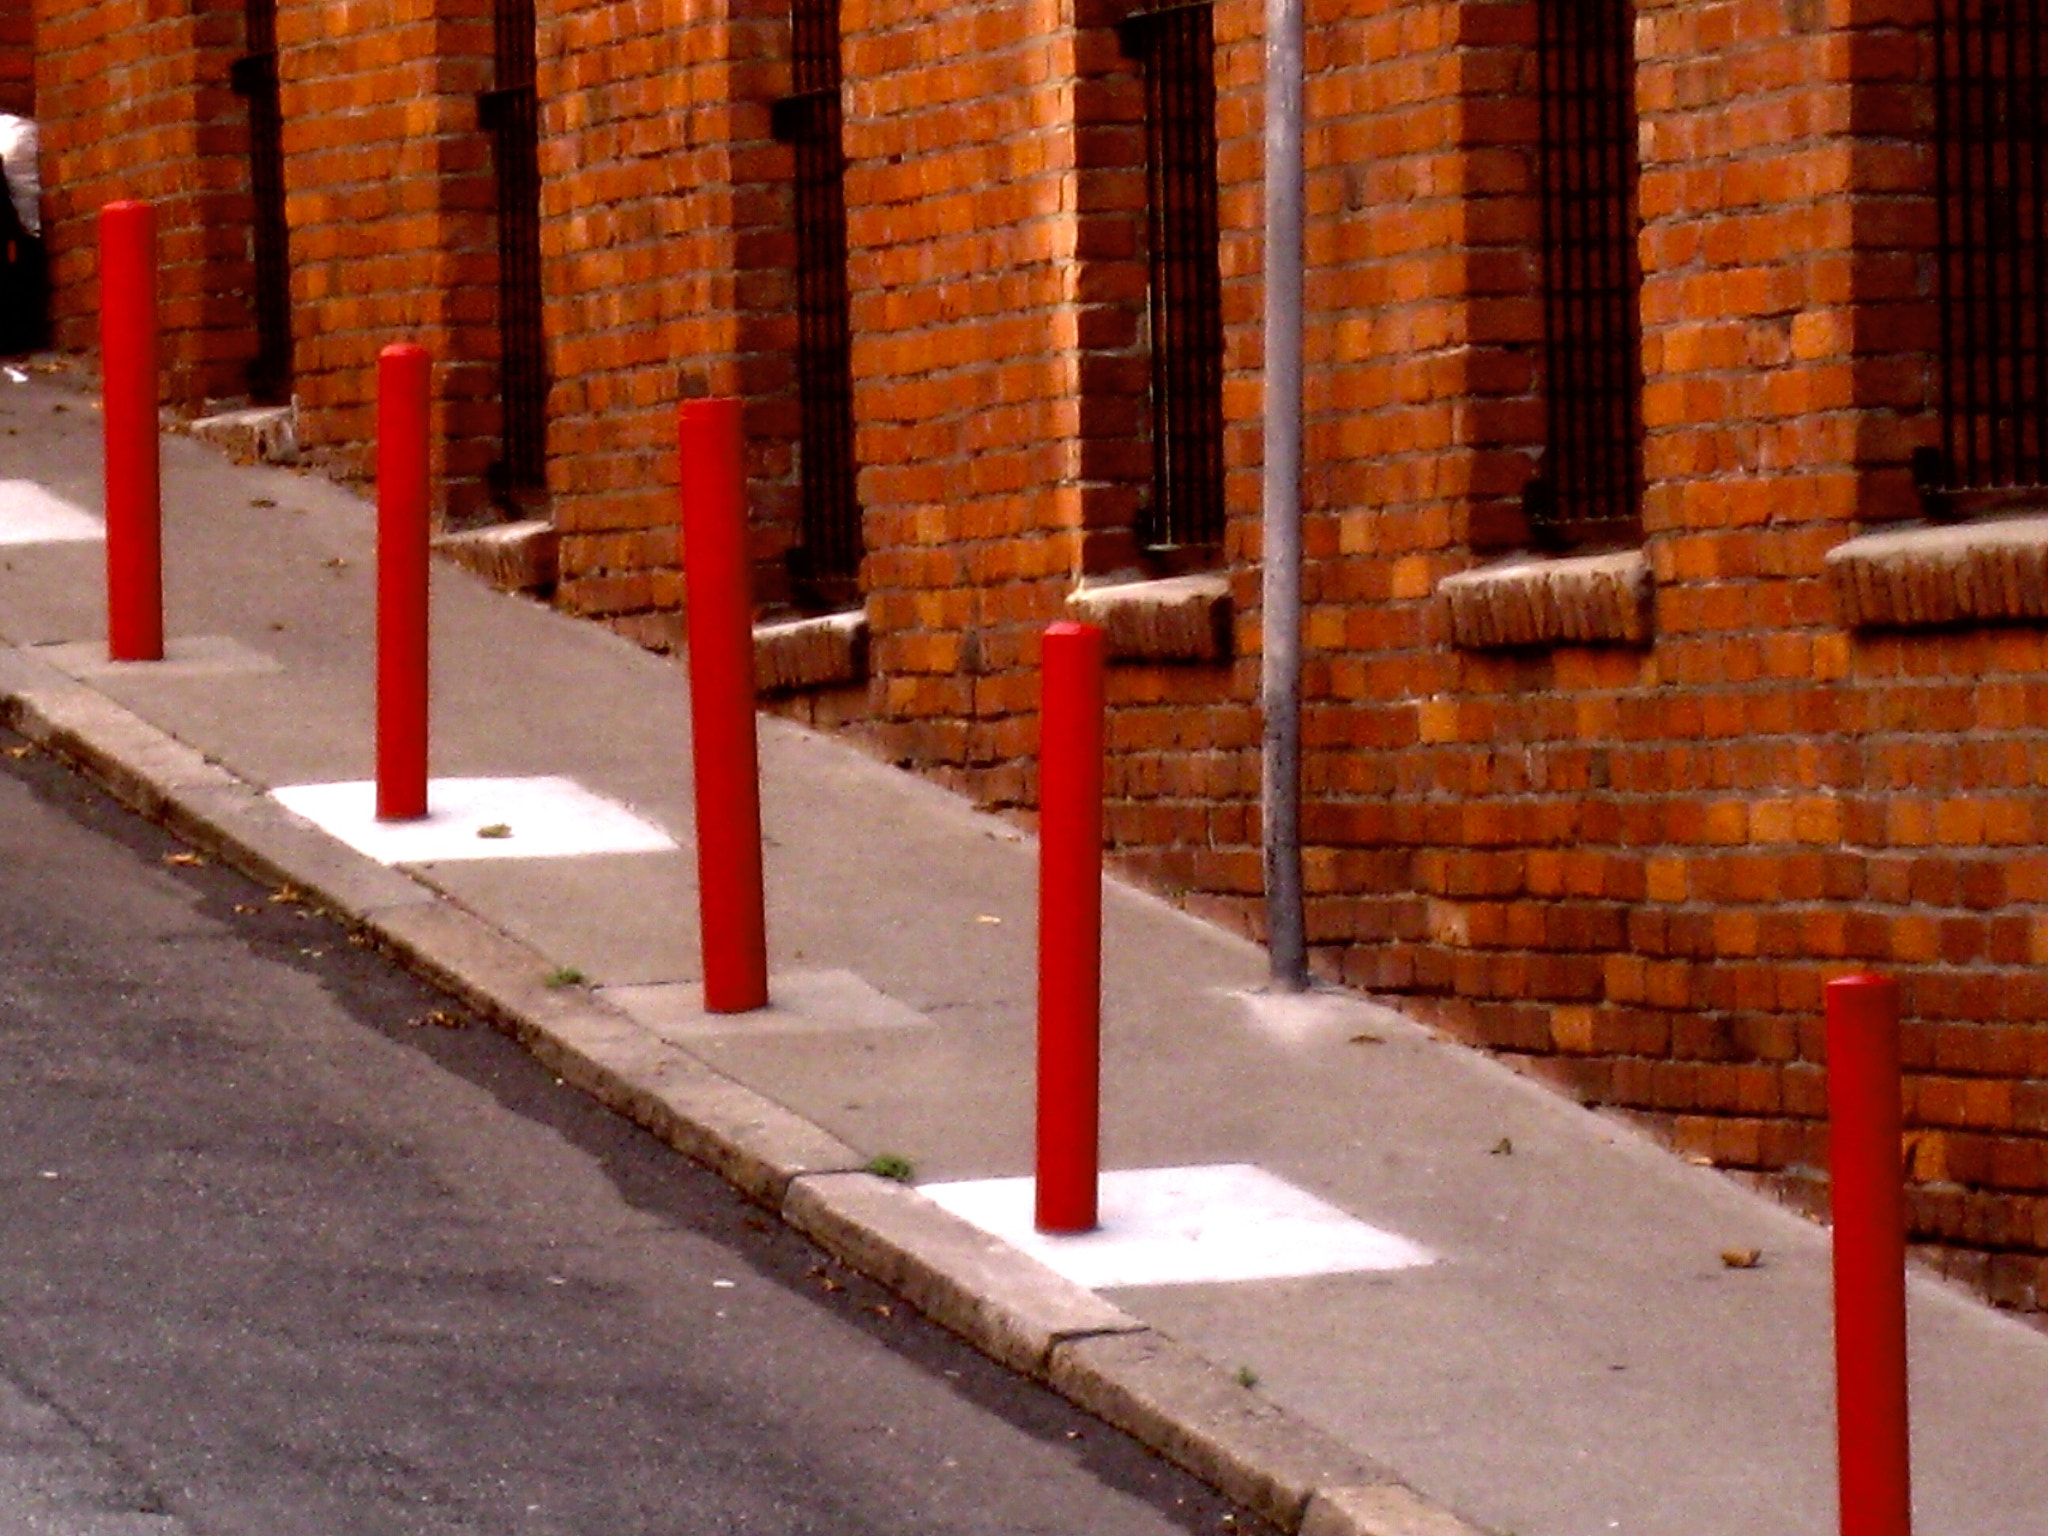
x=891, y=1165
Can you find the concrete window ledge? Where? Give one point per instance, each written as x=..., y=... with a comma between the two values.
x=513, y=557
x=1960, y=573
x=1181, y=618
x=1577, y=600
x=811, y=653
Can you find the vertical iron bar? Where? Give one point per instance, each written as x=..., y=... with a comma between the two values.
x=1590, y=350
x=1969, y=242
x=2036, y=470
x=1176, y=49
x=1280, y=506
x=831, y=544
x=1944, y=141
x=1992, y=254
x=2001, y=230
x=256, y=79
x=511, y=112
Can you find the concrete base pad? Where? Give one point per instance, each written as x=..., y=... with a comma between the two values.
x=531, y=818
x=184, y=656
x=798, y=1002
x=1178, y=1226
x=31, y=515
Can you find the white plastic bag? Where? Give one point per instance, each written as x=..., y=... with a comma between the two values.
x=24, y=184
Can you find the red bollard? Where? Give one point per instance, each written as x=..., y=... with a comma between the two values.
x=403, y=374
x=1870, y=1256
x=1070, y=928
x=128, y=360
x=717, y=579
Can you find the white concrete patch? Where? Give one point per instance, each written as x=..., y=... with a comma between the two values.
x=799, y=1002
x=31, y=515
x=539, y=818
x=1307, y=1017
x=1181, y=1226
x=184, y=656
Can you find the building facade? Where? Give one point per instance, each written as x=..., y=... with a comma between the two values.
x=1675, y=396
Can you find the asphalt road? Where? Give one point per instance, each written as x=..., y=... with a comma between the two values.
x=291, y=1247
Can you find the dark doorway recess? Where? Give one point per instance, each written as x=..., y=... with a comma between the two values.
x=825, y=564
x=254, y=78
x=1991, y=169
x=510, y=113
x=1589, y=491
x=1175, y=43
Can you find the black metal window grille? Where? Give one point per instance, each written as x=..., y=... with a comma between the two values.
x=826, y=562
x=254, y=77
x=1991, y=160
x=1176, y=46
x=1589, y=487
x=510, y=113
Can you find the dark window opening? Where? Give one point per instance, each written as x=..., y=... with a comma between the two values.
x=1175, y=44
x=825, y=564
x=510, y=114
x=1588, y=488
x=1991, y=156
x=254, y=77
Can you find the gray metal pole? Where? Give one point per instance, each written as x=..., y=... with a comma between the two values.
x=1280, y=677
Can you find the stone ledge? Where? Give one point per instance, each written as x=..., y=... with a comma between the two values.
x=1959, y=573
x=266, y=434
x=513, y=557
x=811, y=653
x=1578, y=600
x=1181, y=618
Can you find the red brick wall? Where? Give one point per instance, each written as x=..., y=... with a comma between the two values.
x=1629, y=867
x=390, y=198
x=17, y=57
x=134, y=103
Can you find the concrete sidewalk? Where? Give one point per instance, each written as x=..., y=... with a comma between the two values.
x=1575, y=1359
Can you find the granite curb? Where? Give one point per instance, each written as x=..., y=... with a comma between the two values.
x=998, y=1299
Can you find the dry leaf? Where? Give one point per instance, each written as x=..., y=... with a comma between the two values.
x=1368, y=1038
x=495, y=829
x=1742, y=1258
x=21, y=751
x=188, y=860
x=984, y=917
x=1505, y=1147
x=288, y=895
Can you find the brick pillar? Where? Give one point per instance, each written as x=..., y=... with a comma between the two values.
x=133, y=102
x=1786, y=230
x=389, y=196
x=1786, y=326
x=669, y=254
x=970, y=278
